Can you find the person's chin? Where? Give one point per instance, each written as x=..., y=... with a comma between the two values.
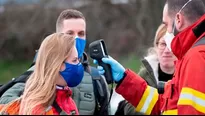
x=168, y=65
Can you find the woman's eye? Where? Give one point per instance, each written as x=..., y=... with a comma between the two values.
x=75, y=60
x=164, y=44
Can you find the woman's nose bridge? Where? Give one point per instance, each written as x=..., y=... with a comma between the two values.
x=166, y=49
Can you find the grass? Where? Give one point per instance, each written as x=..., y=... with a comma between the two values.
x=131, y=62
x=12, y=69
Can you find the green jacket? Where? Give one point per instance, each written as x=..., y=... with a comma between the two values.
x=149, y=72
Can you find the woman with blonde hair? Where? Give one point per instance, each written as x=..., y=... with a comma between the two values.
x=57, y=69
x=158, y=67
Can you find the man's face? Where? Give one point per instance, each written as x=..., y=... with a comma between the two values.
x=74, y=27
x=167, y=20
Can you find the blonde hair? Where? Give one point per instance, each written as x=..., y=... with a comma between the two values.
x=161, y=31
x=40, y=88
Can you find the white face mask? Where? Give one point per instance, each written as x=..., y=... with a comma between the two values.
x=168, y=37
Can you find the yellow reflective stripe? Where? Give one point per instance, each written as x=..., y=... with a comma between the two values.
x=193, y=98
x=193, y=104
x=153, y=102
x=193, y=92
x=148, y=100
x=144, y=97
x=170, y=112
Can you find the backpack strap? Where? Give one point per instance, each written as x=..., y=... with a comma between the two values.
x=96, y=78
x=34, y=59
x=21, y=79
x=200, y=42
x=57, y=107
x=100, y=91
x=99, y=86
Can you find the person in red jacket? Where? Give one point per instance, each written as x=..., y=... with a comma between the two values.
x=185, y=93
x=57, y=69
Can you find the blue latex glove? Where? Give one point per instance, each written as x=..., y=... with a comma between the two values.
x=116, y=68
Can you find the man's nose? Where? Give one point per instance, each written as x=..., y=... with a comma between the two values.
x=75, y=35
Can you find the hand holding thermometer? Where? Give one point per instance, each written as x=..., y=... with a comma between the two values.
x=97, y=50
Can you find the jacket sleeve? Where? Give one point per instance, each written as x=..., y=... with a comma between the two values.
x=135, y=90
x=12, y=93
x=192, y=85
x=129, y=109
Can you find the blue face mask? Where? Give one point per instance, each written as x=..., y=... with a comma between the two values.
x=73, y=74
x=80, y=46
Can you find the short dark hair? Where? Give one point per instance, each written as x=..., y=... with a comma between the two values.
x=68, y=14
x=192, y=11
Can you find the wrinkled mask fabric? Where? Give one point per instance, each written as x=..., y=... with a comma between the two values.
x=80, y=46
x=73, y=74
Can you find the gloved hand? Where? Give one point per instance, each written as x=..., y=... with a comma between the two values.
x=116, y=68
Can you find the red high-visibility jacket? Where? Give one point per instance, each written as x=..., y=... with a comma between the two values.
x=185, y=93
x=63, y=99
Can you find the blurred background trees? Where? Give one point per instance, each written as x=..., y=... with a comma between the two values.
x=127, y=26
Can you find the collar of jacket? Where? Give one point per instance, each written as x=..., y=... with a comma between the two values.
x=63, y=90
x=185, y=39
x=151, y=64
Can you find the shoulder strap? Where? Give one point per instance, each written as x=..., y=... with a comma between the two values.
x=57, y=107
x=96, y=78
x=100, y=92
x=22, y=78
x=200, y=42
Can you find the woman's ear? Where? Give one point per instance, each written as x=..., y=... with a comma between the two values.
x=62, y=68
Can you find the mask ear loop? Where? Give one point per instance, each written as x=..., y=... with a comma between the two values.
x=184, y=6
x=173, y=25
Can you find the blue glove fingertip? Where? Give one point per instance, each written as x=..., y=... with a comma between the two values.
x=95, y=61
x=101, y=72
x=106, y=60
x=99, y=67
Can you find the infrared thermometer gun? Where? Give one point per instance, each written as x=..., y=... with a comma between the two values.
x=97, y=50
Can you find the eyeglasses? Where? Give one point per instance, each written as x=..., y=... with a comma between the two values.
x=161, y=45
